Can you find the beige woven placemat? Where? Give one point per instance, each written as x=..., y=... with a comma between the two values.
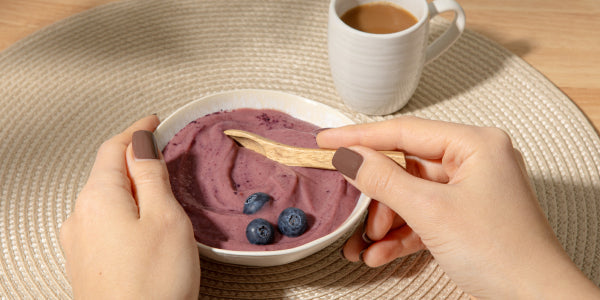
x=67, y=88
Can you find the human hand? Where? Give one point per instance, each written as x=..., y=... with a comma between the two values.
x=128, y=237
x=465, y=196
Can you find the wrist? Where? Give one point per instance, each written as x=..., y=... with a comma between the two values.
x=558, y=278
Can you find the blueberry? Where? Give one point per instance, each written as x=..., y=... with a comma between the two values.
x=260, y=232
x=292, y=222
x=255, y=202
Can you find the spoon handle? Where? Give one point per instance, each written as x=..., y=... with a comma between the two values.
x=321, y=158
x=396, y=156
x=295, y=156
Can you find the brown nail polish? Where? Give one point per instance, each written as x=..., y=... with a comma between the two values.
x=366, y=238
x=364, y=235
x=361, y=255
x=144, y=145
x=347, y=162
x=341, y=252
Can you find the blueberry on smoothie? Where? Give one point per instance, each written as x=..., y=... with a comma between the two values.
x=292, y=222
x=260, y=232
x=255, y=202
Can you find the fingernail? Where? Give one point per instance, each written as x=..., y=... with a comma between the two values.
x=347, y=162
x=361, y=255
x=342, y=253
x=364, y=235
x=144, y=145
x=318, y=130
x=366, y=238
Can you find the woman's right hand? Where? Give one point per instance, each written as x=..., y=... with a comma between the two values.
x=465, y=197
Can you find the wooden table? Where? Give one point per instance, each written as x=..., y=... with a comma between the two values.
x=559, y=38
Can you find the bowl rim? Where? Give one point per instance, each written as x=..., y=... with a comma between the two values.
x=185, y=114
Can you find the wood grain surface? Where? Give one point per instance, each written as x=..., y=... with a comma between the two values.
x=295, y=156
x=559, y=38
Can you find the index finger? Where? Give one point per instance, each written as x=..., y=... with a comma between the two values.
x=110, y=166
x=424, y=138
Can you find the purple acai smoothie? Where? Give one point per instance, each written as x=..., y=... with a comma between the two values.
x=211, y=176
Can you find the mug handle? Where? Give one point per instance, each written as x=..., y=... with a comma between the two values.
x=451, y=34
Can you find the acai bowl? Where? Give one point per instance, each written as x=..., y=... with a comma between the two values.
x=276, y=105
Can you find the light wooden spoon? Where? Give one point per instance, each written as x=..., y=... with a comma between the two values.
x=295, y=156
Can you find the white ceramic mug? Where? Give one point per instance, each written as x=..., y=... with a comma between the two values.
x=377, y=74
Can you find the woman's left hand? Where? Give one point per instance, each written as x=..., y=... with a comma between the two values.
x=128, y=237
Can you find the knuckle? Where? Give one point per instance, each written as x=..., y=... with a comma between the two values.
x=103, y=181
x=84, y=202
x=496, y=136
x=150, y=176
x=378, y=184
x=105, y=147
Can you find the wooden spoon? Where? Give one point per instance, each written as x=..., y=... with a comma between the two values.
x=295, y=156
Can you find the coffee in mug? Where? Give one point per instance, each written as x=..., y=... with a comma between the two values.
x=377, y=73
x=379, y=17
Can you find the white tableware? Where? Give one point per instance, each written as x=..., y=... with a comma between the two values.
x=301, y=108
x=377, y=74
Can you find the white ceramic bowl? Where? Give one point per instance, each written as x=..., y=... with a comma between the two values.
x=301, y=108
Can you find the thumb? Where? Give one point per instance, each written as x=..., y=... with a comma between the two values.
x=381, y=178
x=148, y=173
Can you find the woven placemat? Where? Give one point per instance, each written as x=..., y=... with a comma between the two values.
x=70, y=86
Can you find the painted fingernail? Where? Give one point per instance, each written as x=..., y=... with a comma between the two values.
x=318, y=130
x=361, y=255
x=342, y=253
x=347, y=162
x=364, y=235
x=366, y=238
x=144, y=145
